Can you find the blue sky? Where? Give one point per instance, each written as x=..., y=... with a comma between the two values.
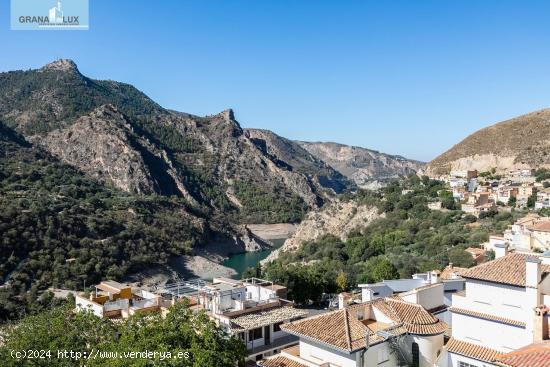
x=402, y=77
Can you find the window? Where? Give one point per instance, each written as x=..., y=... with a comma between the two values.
x=464, y=364
x=277, y=327
x=254, y=334
x=383, y=355
x=415, y=355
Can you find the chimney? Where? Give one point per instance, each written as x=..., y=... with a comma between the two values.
x=501, y=250
x=434, y=276
x=343, y=300
x=540, y=331
x=367, y=294
x=532, y=272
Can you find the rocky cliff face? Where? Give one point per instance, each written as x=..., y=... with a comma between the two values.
x=291, y=156
x=367, y=168
x=115, y=133
x=103, y=145
x=522, y=142
x=338, y=218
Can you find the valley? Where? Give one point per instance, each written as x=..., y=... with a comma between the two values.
x=98, y=180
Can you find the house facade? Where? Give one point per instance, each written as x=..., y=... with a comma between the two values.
x=501, y=310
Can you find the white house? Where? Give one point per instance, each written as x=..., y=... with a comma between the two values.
x=501, y=310
x=529, y=233
x=252, y=310
x=384, y=332
x=432, y=290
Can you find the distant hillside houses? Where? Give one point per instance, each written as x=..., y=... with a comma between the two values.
x=482, y=192
x=531, y=233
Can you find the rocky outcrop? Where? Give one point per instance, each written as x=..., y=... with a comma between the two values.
x=338, y=218
x=522, y=142
x=367, y=168
x=291, y=157
x=103, y=145
x=61, y=65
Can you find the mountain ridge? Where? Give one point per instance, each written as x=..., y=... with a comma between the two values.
x=519, y=142
x=209, y=160
x=366, y=167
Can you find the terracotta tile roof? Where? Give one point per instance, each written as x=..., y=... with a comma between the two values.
x=509, y=269
x=472, y=350
x=345, y=329
x=533, y=355
x=450, y=272
x=485, y=316
x=543, y=226
x=280, y=361
x=261, y=318
x=414, y=318
x=337, y=329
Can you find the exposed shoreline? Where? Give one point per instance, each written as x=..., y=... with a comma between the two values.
x=206, y=261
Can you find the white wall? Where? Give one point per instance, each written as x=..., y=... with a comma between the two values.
x=85, y=304
x=318, y=353
x=454, y=359
x=374, y=291
x=371, y=356
x=429, y=347
x=258, y=293
x=496, y=299
x=489, y=334
x=430, y=297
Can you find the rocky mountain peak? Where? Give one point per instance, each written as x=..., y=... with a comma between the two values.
x=61, y=65
x=228, y=115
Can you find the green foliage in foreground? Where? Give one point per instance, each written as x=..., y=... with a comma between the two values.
x=410, y=238
x=181, y=331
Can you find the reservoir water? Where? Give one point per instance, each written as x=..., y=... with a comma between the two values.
x=240, y=262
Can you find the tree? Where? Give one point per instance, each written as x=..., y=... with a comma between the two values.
x=531, y=200
x=377, y=269
x=181, y=331
x=342, y=281
x=512, y=201
x=461, y=258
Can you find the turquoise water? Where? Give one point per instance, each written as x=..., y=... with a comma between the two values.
x=240, y=262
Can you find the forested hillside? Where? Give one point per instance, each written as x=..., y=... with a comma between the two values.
x=61, y=228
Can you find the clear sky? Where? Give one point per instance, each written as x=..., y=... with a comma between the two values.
x=403, y=77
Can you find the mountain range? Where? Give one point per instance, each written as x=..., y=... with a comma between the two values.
x=365, y=167
x=116, y=134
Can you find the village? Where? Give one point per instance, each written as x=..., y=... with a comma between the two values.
x=493, y=314
x=486, y=192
